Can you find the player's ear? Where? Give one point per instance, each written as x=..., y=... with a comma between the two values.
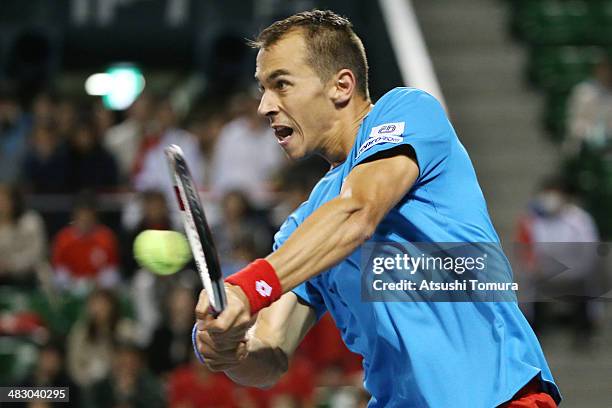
x=343, y=87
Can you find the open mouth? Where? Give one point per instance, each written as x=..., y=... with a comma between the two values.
x=282, y=132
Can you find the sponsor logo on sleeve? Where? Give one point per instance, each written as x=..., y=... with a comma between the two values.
x=389, y=129
x=387, y=133
x=373, y=141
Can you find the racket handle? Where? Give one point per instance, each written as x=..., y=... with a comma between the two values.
x=213, y=312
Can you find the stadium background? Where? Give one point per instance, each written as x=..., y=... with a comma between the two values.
x=505, y=70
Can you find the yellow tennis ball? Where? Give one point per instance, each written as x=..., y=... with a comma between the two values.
x=161, y=252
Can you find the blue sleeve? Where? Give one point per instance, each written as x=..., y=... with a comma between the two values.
x=410, y=117
x=306, y=291
x=310, y=295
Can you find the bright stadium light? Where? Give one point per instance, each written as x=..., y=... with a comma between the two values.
x=119, y=86
x=98, y=84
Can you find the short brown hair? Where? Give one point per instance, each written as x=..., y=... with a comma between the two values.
x=332, y=44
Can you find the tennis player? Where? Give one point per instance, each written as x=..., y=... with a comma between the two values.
x=398, y=173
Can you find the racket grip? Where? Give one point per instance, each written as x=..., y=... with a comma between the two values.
x=213, y=312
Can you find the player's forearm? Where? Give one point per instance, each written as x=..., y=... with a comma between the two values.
x=262, y=367
x=327, y=237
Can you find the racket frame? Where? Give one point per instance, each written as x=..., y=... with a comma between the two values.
x=197, y=229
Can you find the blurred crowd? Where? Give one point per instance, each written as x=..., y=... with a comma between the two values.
x=587, y=147
x=589, y=114
x=77, y=310
x=558, y=237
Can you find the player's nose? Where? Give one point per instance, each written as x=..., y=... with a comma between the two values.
x=268, y=105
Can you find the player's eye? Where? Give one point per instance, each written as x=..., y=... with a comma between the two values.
x=281, y=85
x=261, y=88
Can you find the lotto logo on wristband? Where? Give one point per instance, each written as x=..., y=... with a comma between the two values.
x=259, y=283
x=263, y=288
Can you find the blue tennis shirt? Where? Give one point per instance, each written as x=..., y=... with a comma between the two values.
x=423, y=354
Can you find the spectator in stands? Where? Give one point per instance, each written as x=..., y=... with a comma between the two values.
x=553, y=232
x=15, y=126
x=295, y=182
x=243, y=250
x=103, y=118
x=147, y=290
x=65, y=115
x=206, y=126
x=150, y=171
x=295, y=388
x=23, y=243
x=129, y=385
x=193, y=385
x=334, y=365
x=50, y=371
x=239, y=220
x=85, y=253
x=234, y=167
x=45, y=165
x=171, y=344
x=43, y=108
x=298, y=382
x=94, y=338
x=284, y=401
x=90, y=165
x=590, y=110
x=123, y=139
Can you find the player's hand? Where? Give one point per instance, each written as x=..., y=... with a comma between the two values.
x=222, y=341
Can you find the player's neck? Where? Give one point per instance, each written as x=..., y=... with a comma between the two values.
x=345, y=132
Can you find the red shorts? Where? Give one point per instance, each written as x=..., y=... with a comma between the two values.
x=530, y=396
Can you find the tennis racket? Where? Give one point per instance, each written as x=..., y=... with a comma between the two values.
x=197, y=230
